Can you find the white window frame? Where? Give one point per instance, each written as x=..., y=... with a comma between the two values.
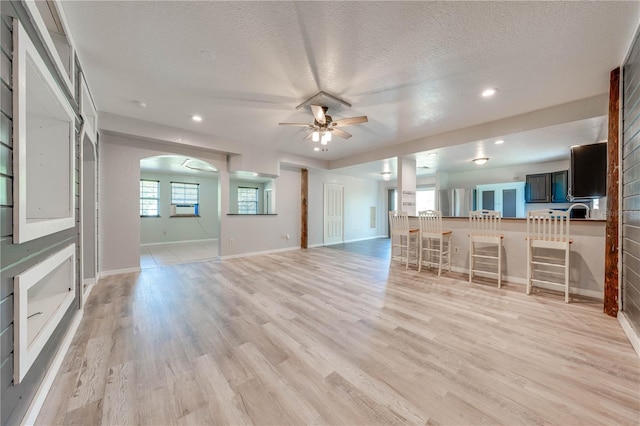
x=257, y=201
x=157, y=182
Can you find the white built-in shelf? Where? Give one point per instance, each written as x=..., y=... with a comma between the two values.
x=51, y=22
x=42, y=295
x=44, y=154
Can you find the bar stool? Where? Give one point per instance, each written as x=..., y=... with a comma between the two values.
x=403, y=238
x=431, y=232
x=484, y=229
x=548, y=234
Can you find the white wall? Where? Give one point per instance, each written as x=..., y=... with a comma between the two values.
x=165, y=229
x=502, y=174
x=119, y=216
x=253, y=234
x=359, y=196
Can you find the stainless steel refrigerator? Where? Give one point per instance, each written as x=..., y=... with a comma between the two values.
x=456, y=202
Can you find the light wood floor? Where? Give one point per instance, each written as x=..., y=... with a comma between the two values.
x=326, y=336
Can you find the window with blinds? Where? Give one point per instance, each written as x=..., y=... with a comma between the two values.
x=247, y=200
x=149, y=198
x=185, y=199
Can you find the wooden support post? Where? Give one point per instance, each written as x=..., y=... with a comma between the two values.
x=304, y=193
x=611, y=244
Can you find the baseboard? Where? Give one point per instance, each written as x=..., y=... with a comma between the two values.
x=44, y=388
x=375, y=237
x=631, y=333
x=178, y=242
x=87, y=292
x=89, y=281
x=523, y=281
x=119, y=271
x=258, y=253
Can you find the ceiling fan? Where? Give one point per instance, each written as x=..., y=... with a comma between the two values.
x=324, y=126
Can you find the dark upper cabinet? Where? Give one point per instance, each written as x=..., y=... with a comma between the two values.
x=538, y=188
x=547, y=187
x=559, y=186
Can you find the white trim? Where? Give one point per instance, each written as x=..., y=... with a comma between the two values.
x=23, y=230
x=88, y=108
x=85, y=295
x=119, y=271
x=632, y=334
x=259, y=253
x=178, y=242
x=69, y=79
x=45, y=386
x=315, y=245
x=54, y=307
x=355, y=240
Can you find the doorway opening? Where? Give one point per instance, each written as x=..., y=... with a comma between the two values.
x=88, y=215
x=179, y=211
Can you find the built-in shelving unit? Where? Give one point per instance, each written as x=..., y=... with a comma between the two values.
x=42, y=294
x=55, y=33
x=44, y=150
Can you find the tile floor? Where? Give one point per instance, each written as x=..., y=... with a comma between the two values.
x=154, y=256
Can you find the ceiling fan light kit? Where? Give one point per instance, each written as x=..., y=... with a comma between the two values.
x=323, y=124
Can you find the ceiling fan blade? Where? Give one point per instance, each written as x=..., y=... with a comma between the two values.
x=350, y=121
x=295, y=124
x=318, y=113
x=341, y=133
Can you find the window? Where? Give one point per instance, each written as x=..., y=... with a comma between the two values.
x=149, y=198
x=247, y=200
x=185, y=198
x=425, y=199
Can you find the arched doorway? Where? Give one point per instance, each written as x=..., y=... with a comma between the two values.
x=179, y=211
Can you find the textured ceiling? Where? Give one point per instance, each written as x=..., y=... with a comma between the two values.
x=415, y=69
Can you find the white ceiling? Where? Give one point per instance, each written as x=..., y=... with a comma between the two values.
x=416, y=69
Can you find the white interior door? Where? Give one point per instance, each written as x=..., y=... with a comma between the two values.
x=333, y=213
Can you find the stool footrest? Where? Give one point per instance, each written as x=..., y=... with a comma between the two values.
x=484, y=256
x=559, y=265
x=547, y=282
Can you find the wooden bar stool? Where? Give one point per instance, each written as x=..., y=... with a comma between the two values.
x=484, y=229
x=434, y=241
x=403, y=239
x=548, y=249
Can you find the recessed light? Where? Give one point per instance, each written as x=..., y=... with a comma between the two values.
x=480, y=161
x=489, y=92
x=499, y=142
x=317, y=148
x=141, y=104
x=196, y=118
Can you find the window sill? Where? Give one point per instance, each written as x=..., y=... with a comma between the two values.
x=150, y=217
x=185, y=215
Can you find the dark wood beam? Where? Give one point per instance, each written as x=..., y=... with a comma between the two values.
x=613, y=177
x=304, y=213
